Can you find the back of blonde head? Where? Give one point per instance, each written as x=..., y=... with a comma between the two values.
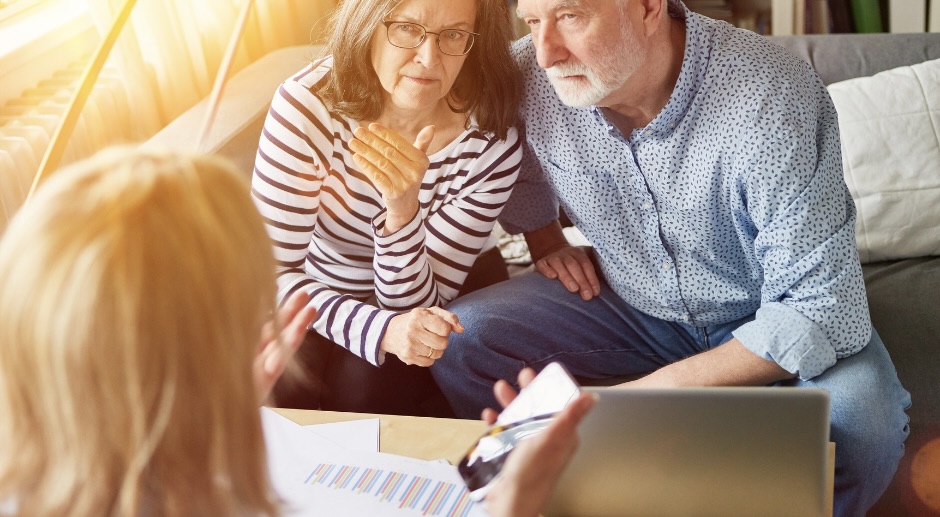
x=134, y=287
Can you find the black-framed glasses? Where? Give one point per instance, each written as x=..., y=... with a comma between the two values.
x=453, y=42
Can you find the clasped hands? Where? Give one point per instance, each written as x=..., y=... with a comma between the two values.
x=396, y=168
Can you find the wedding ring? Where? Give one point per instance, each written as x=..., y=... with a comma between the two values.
x=430, y=351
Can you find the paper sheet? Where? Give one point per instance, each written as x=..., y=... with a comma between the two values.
x=317, y=476
x=360, y=435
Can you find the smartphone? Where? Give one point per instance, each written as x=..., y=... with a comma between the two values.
x=529, y=413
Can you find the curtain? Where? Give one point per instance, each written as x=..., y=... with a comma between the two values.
x=168, y=54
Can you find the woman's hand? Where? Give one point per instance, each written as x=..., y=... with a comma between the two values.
x=420, y=336
x=395, y=167
x=275, y=350
x=534, y=467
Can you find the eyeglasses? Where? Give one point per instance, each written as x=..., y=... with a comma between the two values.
x=453, y=42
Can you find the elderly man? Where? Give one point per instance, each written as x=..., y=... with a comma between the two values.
x=703, y=165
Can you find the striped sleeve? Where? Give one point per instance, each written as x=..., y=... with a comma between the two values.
x=295, y=145
x=425, y=263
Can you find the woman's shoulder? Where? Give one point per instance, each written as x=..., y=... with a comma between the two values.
x=481, y=148
x=300, y=94
x=474, y=132
x=314, y=74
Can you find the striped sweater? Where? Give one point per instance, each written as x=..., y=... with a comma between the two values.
x=325, y=217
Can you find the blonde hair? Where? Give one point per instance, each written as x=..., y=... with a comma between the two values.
x=135, y=285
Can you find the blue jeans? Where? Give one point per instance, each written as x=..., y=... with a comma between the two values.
x=532, y=321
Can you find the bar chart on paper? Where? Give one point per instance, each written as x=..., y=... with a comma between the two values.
x=409, y=494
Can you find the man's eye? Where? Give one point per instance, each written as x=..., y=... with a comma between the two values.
x=531, y=22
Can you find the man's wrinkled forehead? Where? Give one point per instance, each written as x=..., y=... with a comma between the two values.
x=530, y=8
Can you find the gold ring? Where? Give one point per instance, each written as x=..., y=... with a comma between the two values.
x=430, y=351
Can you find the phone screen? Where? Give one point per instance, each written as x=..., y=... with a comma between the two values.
x=528, y=414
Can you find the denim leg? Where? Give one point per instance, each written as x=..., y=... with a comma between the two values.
x=531, y=320
x=869, y=425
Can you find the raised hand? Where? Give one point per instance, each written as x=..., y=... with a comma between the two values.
x=395, y=166
x=420, y=336
x=275, y=349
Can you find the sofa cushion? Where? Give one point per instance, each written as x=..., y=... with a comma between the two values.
x=890, y=125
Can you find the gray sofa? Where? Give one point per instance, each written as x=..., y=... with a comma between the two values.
x=904, y=294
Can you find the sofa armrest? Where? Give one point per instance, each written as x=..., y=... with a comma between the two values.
x=241, y=111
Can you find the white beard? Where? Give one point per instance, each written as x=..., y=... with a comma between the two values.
x=592, y=86
x=578, y=92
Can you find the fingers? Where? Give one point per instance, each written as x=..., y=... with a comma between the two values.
x=275, y=350
x=489, y=416
x=420, y=337
x=423, y=140
x=526, y=375
x=383, y=147
x=504, y=392
x=569, y=418
x=385, y=138
x=294, y=318
x=449, y=317
x=573, y=268
x=381, y=170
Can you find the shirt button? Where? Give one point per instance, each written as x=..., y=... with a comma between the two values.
x=684, y=319
x=647, y=205
x=665, y=266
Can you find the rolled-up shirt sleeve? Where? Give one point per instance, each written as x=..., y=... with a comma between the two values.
x=813, y=306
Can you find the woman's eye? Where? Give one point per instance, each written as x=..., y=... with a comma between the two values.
x=453, y=35
x=407, y=28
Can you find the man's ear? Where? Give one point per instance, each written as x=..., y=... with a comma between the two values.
x=653, y=13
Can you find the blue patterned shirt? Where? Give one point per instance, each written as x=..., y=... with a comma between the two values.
x=730, y=202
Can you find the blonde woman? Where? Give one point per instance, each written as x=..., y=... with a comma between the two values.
x=135, y=287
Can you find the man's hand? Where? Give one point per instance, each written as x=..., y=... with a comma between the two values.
x=396, y=168
x=275, y=349
x=556, y=259
x=572, y=266
x=420, y=336
x=533, y=468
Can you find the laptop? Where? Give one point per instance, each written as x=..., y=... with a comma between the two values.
x=699, y=451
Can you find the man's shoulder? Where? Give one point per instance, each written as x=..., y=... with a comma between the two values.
x=748, y=55
x=523, y=51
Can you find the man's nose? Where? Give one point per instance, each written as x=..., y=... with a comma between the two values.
x=549, y=47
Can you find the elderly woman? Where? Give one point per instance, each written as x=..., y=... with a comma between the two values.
x=127, y=351
x=380, y=173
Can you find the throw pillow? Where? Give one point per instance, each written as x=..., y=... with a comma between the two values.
x=890, y=127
